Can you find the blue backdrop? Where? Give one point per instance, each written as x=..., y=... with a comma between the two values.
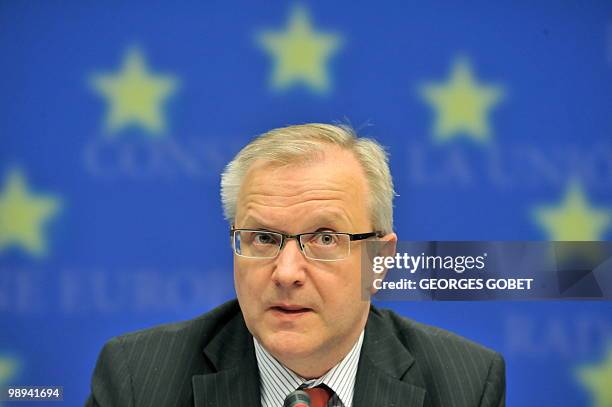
x=116, y=119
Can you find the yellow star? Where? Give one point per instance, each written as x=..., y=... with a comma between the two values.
x=574, y=219
x=8, y=370
x=22, y=216
x=461, y=104
x=134, y=95
x=300, y=54
x=598, y=379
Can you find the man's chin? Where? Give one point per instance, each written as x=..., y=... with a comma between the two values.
x=286, y=345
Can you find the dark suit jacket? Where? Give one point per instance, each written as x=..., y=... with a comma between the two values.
x=210, y=361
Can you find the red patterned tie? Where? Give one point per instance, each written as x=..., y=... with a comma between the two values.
x=319, y=396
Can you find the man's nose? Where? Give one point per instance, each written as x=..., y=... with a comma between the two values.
x=290, y=265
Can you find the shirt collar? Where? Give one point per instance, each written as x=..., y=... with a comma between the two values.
x=277, y=381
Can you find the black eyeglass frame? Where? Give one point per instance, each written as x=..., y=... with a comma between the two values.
x=285, y=237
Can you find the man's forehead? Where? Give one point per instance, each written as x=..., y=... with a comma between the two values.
x=332, y=189
x=286, y=185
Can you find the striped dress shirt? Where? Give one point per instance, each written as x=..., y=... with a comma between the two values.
x=277, y=381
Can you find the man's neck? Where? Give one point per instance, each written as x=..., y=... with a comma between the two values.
x=277, y=379
x=319, y=364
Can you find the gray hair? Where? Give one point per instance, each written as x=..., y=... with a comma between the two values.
x=297, y=143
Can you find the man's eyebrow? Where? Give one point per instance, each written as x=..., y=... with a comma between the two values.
x=332, y=220
x=250, y=222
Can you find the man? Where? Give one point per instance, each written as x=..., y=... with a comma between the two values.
x=301, y=202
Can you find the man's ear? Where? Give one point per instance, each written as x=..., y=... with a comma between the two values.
x=386, y=247
x=390, y=247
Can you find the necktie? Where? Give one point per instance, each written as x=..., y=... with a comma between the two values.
x=319, y=396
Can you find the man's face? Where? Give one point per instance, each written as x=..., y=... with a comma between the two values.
x=296, y=307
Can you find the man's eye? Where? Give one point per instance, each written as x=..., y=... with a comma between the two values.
x=264, y=238
x=325, y=239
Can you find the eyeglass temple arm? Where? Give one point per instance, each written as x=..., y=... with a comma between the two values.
x=361, y=236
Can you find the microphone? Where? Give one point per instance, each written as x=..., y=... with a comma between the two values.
x=297, y=398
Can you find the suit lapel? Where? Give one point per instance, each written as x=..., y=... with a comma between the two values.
x=235, y=381
x=387, y=375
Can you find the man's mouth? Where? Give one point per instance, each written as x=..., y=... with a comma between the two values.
x=290, y=309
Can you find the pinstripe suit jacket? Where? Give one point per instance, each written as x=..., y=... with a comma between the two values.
x=210, y=361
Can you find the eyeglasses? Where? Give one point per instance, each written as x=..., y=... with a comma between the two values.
x=323, y=246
